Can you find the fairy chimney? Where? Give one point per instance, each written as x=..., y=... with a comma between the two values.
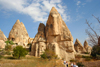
x=78, y=47
x=18, y=34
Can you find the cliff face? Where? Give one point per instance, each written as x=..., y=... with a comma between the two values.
x=2, y=40
x=18, y=34
x=2, y=36
x=55, y=36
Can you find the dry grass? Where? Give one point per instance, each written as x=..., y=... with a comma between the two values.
x=29, y=61
x=92, y=63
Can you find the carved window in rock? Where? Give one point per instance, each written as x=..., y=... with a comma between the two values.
x=13, y=39
x=24, y=44
x=16, y=43
x=51, y=26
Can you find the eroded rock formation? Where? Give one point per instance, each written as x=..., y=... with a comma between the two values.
x=18, y=34
x=2, y=39
x=2, y=36
x=56, y=37
x=87, y=47
x=78, y=47
x=39, y=42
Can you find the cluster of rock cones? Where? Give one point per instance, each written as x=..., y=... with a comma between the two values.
x=55, y=35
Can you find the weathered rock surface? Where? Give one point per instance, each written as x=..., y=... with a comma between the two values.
x=39, y=42
x=59, y=36
x=30, y=40
x=56, y=37
x=18, y=34
x=2, y=36
x=2, y=40
x=78, y=47
x=2, y=44
x=87, y=47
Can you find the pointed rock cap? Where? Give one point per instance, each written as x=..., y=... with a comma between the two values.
x=53, y=10
x=41, y=27
x=78, y=42
x=85, y=44
x=17, y=22
x=2, y=36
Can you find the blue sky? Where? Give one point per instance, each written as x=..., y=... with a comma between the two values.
x=33, y=12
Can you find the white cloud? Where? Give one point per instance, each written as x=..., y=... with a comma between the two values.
x=37, y=9
x=78, y=2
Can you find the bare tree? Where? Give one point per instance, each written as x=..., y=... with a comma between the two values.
x=92, y=33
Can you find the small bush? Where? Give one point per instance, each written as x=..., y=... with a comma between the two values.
x=72, y=60
x=8, y=47
x=2, y=52
x=44, y=56
x=1, y=56
x=19, y=51
x=88, y=59
x=78, y=56
x=86, y=56
x=86, y=53
x=8, y=53
x=8, y=42
x=80, y=64
x=48, y=54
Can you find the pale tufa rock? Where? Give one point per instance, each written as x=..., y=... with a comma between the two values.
x=18, y=34
x=39, y=42
x=78, y=47
x=58, y=36
x=87, y=47
x=2, y=36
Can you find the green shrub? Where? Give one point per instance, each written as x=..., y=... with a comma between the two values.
x=73, y=60
x=97, y=57
x=88, y=59
x=95, y=50
x=86, y=52
x=44, y=56
x=78, y=56
x=8, y=42
x=8, y=53
x=86, y=56
x=19, y=51
x=80, y=64
x=48, y=54
x=8, y=47
x=1, y=56
x=2, y=52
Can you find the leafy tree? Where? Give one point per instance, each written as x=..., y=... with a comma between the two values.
x=95, y=51
x=19, y=51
